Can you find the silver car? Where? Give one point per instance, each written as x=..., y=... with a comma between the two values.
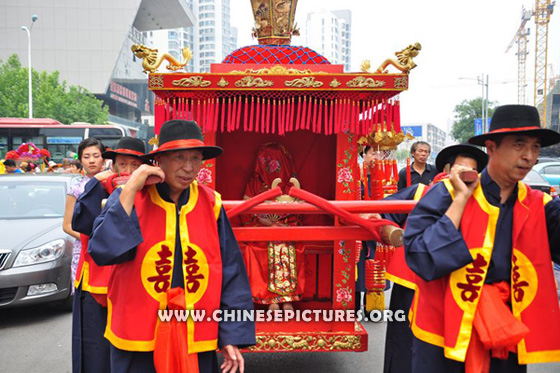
x=35, y=253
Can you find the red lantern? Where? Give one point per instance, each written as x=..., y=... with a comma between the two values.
x=45, y=153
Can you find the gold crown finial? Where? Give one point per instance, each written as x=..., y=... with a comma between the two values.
x=382, y=139
x=274, y=21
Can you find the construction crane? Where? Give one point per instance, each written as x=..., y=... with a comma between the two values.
x=542, y=13
x=521, y=38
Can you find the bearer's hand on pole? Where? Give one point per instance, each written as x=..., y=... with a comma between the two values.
x=462, y=190
x=144, y=175
x=462, y=194
x=374, y=216
x=104, y=175
x=233, y=360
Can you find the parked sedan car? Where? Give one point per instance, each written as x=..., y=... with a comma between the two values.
x=550, y=171
x=35, y=253
x=536, y=181
x=547, y=159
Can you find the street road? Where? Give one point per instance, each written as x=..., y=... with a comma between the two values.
x=37, y=339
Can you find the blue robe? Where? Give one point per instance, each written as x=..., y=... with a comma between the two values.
x=398, y=338
x=435, y=248
x=114, y=240
x=90, y=349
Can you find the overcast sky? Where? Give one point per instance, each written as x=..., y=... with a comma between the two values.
x=460, y=39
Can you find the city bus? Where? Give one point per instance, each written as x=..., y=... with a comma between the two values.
x=61, y=140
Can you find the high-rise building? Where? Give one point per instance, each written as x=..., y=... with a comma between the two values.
x=427, y=132
x=330, y=34
x=89, y=43
x=211, y=38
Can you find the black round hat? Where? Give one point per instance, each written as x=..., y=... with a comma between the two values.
x=446, y=153
x=179, y=134
x=517, y=119
x=127, y=146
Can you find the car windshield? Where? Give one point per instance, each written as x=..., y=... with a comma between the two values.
x=534, y=177
x=32, y=200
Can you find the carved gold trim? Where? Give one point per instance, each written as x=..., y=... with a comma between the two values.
x=193, y=81
x=383, y=139
x=154, y=141
x=276, y=70
x=156, y=81
x=307, y=342
x=223, y=83
x=305, y=82
x=274, y=21
x=363, y=82
x=335, y=83
x=365, y=66
x=251, y=81
x=401, y=82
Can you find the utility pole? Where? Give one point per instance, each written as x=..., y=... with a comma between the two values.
x=28, y=30
x=484, y=98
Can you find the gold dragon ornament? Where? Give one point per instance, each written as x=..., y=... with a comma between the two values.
x=404, y=61
x=151, y=60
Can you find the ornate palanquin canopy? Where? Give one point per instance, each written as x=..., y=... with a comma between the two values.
x=281, y=88
x=269, y=97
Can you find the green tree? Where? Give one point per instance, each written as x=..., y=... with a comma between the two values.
x=402, y=154
x=465, y=114
x=51, y=98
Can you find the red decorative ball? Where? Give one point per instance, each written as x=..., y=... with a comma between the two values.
x=12, y=155
x=276, y=54
x=45, y=153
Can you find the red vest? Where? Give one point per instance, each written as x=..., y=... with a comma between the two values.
x=138, y=288
x=94, y=278
x=397, y=270
x=444, y=309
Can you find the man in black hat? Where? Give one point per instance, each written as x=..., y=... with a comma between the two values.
x=485, y=298
x=172, y=247
x=125, y=159
x=90, y=351
x=398, y=340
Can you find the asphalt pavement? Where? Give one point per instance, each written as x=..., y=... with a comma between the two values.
x=38, y=339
